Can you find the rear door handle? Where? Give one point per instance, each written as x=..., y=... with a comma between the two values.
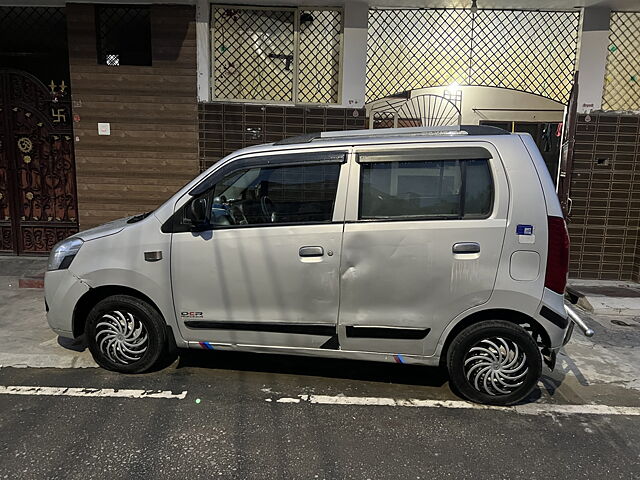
x=466, y=247
x=311, y=251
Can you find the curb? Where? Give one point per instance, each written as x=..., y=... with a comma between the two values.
x=31, y=282
x=35, y=281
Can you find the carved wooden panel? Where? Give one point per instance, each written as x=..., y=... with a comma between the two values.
x=39, y=171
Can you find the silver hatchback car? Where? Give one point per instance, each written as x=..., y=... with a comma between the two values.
x=421, y=246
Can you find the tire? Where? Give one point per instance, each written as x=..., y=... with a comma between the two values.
x=494, y=362
x=126, y=334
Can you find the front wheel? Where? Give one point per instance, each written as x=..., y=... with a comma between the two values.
x=494, y=362
x=126, y=334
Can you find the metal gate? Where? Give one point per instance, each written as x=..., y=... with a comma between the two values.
x=409, y=110
x=38, y=205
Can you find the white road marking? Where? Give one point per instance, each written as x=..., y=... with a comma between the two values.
x=528, y=409
x=90, y=392
x=288, y=400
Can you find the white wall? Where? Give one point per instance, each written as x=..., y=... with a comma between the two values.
x=593, y=58
x=354, y=56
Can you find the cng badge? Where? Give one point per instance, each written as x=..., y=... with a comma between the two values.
x=525, y=234
x=191, y=314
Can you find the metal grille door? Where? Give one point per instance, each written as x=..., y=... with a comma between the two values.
x=253, y=54
x=531, y=51
x=622, y=80
x=37, y=169
x=319, y=58
x=276, y=54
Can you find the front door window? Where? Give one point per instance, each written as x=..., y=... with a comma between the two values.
x=269, y=195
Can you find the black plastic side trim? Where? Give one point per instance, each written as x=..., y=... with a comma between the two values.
x=558, y=320
x=332, y=344
x=452, y=152
x=293, y=328
x=383, y=332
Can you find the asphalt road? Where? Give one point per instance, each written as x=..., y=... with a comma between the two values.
x=242, y=417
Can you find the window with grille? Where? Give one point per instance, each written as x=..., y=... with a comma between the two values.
x=276, y=54
x=123, y=35
x=531, y=51
x=622, y=79
x=34, y=39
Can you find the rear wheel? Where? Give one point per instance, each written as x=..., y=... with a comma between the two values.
x=494, y=362
x=126, y=334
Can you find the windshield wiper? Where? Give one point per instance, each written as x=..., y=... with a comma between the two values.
x=137, y=218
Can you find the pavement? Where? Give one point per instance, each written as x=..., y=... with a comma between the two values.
x=25, y=338
x=237, y=415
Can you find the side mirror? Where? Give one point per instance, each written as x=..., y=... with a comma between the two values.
x=197, y=212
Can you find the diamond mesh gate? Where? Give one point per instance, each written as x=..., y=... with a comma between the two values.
x=276, y=54
x=319, y=57
x=531, y=51
x=622, y=80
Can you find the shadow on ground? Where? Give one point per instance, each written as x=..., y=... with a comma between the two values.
x=192, y=361
x=319, y=367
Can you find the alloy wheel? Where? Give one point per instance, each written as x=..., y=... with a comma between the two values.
x=121, y=337
x=496, y=366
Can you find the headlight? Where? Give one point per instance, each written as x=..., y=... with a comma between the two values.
x=63, y=253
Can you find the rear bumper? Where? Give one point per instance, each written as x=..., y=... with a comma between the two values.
x=553, y=317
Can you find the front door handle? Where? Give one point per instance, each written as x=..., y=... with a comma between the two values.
x=311, y=251
x=466, y=247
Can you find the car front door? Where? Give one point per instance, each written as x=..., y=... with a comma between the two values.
x=264, y=270
x=424, y=229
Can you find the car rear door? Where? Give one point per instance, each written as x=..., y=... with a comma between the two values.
x=424, y=229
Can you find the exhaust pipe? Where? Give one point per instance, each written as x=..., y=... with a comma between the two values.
x=588, y=332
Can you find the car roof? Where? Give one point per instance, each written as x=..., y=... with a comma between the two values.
x=345, y=138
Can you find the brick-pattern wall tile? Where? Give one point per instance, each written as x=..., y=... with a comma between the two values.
x=605, y=189
x=227, y=127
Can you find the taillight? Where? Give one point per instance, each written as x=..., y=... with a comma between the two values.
x=557, y=255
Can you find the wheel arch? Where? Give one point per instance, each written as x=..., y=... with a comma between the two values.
x=527, y=322
x=95, y=295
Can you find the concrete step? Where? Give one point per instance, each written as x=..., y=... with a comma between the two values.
x=606, y=297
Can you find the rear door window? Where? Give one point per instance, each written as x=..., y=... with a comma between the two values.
x=416, y=185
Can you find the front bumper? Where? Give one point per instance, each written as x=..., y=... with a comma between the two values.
x=62, y=290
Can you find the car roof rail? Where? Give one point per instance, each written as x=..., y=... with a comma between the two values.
x=390, y=132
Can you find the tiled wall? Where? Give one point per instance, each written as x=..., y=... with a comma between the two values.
x=226, y=127
x=605, y=190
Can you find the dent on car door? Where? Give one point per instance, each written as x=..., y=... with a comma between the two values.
x=266, y=270
x=421, y=245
